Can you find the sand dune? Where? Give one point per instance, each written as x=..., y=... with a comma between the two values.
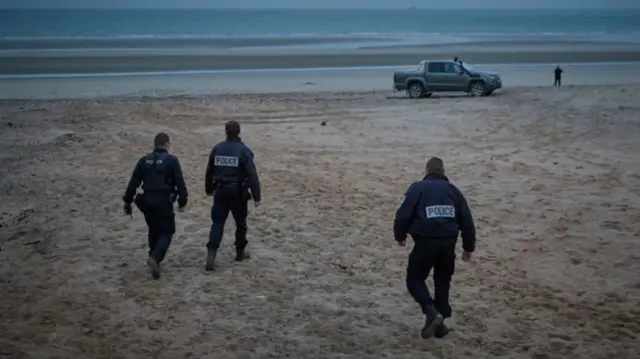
x=551, y=175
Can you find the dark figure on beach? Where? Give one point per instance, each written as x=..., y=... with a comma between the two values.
x=455, y=59
x=161, y=177
x=557, y=76
x=433, y=212
x=231, y=174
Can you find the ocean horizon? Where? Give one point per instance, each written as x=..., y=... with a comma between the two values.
x=40, y=29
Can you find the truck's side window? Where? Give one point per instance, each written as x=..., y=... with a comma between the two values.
x=452, y=68
x=436, y=67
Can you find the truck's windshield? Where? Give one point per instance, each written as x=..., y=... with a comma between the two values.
x=467, y=67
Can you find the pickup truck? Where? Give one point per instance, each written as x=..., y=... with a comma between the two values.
x=445, y=76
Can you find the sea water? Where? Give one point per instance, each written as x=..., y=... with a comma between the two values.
x=219, y=29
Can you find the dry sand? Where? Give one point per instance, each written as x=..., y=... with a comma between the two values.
x=551, y=175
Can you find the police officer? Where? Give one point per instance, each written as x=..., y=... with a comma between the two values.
x=433, y=212
x=230, y=174
x=160, y=175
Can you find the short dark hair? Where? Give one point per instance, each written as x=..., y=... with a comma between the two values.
x=232, y=129
x=435, y=165
x=161, y=140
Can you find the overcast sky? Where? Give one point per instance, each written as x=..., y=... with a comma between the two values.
x=319, y=4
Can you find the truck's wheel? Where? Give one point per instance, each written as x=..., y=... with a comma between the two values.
x=477, y=89
x=415, y=90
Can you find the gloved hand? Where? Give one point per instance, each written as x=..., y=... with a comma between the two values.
x=127, y=209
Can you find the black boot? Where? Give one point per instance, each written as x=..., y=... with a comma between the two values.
x=432, y=321
x=441, y=331
x=242, y=255
x=211, y=258
x=154, y=267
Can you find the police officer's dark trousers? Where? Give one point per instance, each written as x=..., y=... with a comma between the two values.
x=439, y=255
x=222, y=205
x=161, y=221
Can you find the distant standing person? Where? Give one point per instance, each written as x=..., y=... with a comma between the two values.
x=161, y=177
x=557, y=76
x=231, y=174
x=434, y=212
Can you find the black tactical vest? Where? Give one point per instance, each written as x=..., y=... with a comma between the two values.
x=227, y=164
x=155, y=173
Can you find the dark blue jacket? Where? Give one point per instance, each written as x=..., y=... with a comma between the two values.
x=434, y=208
x=230, y=170
x=160, y=174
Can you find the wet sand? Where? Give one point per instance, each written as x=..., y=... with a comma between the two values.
x=132, y=60
x=243, y=82
x=551, y=176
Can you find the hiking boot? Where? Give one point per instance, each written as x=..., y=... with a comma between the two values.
x=211, y=258
x=432, y=321
x=441, y=331
x=154, y=267
x=242, y=255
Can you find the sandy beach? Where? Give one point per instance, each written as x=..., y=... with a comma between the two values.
x=289, y=80
x=551, y=176
x=86, y=61
x=263, y=67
